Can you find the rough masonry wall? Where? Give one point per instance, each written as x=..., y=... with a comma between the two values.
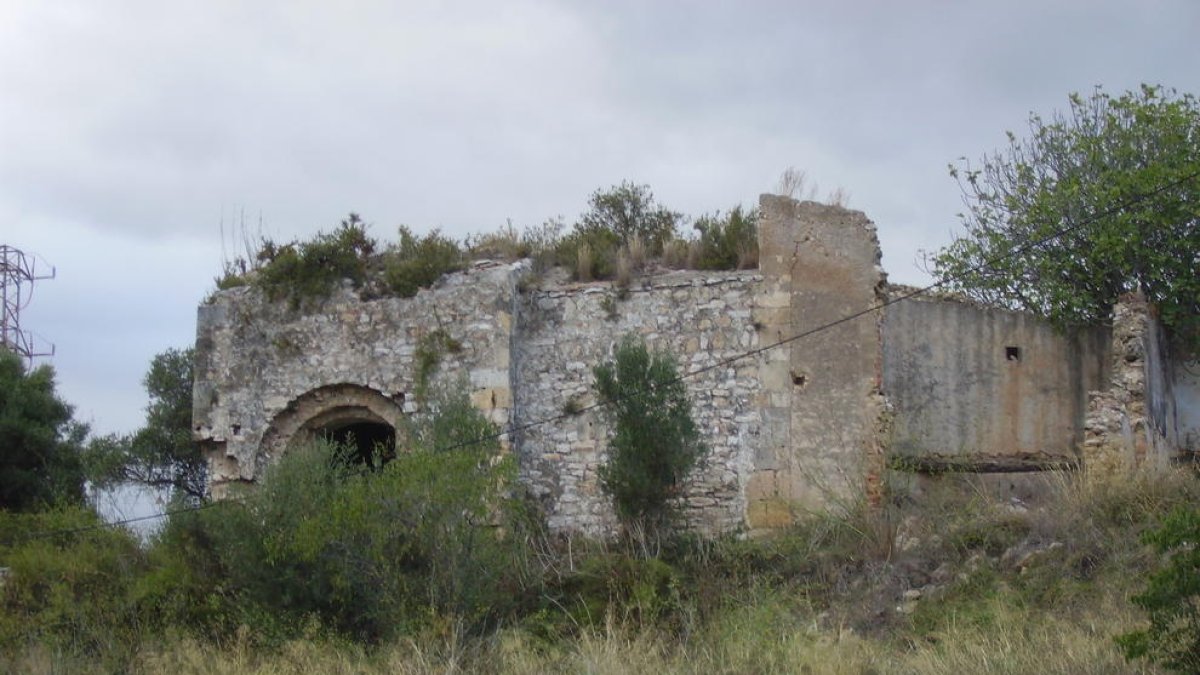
x=802, y=423
x=700, y=318
x=981, y=388
x=264, y=371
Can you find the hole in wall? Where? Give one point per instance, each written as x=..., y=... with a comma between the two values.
x=799, y=379
x=370, y=444
x=237, y=429
x=1012, y=353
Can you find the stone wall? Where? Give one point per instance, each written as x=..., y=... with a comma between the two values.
x=1150, y=413
x=703, y=320
x=265, y=372
x=797, y=382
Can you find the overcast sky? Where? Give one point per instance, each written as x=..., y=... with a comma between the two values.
x=130, y=131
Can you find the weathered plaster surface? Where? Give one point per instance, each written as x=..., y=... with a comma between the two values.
x=975, y=387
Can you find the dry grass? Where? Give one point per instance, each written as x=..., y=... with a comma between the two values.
x=816, y=609
x=775, y=635
x=624, y=273
x=638, y=253
x=583, y=263
x=675, y=253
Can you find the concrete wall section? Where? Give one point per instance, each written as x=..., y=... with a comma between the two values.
x=986, y=389
x=1172, y=392
x=820, y=265
x=1187, y=403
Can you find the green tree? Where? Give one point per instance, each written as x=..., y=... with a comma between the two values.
x=40, y=462
x=1118, y=174
x=161, y=454
x=628, y=211
x=653, y=441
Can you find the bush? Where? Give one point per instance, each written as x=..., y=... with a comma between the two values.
x=590, y=254
x=70, y=592
x=303, y=272
x=653, y=441
x=1172, y=597
x=628, y=211
x=366, y=554
x=416, y=263
x=730, y=241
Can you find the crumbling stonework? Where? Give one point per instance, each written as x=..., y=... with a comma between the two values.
x=1146, y=414
x=804, y=391
x=703, y=319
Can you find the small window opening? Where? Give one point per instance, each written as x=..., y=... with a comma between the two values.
x=237, y=429
x=799, y=379
x=1012, y=353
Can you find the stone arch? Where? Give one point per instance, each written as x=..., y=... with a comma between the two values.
x=341, y=411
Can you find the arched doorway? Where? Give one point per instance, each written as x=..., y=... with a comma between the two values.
x=361, y=419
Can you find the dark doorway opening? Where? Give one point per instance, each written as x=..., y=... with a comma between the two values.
x=369, y=444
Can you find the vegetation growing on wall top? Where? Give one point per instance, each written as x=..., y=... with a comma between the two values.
x=624, y=233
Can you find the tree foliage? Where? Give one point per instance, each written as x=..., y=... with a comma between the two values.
x=628, y=211
x=1118, y=177
x=40, y=463
x=653, y=440
x=161, y=454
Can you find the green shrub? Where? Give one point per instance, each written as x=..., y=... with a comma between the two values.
x=598, y=247
x=72, y=591
x=618, y=586
x=629, y=211
x=416, y=263
x=365, y=554
x=652, y=442
x=617, y=217
x=729, y=241
x=1172, y=597
x=307, y=271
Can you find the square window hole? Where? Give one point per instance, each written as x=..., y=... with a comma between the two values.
x=1012, y=353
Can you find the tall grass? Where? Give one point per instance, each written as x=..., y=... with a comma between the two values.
x=949, y=580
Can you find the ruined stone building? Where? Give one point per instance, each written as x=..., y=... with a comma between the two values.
x=924, y=384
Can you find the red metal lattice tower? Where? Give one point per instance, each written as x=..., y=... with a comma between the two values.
x=17, y=274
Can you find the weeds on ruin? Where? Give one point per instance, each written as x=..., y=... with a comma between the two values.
x=622, y=234
x=305, y=272
x=417, y=262
x=729, y=240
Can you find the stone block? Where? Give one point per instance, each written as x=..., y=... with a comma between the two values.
x=492, y=397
